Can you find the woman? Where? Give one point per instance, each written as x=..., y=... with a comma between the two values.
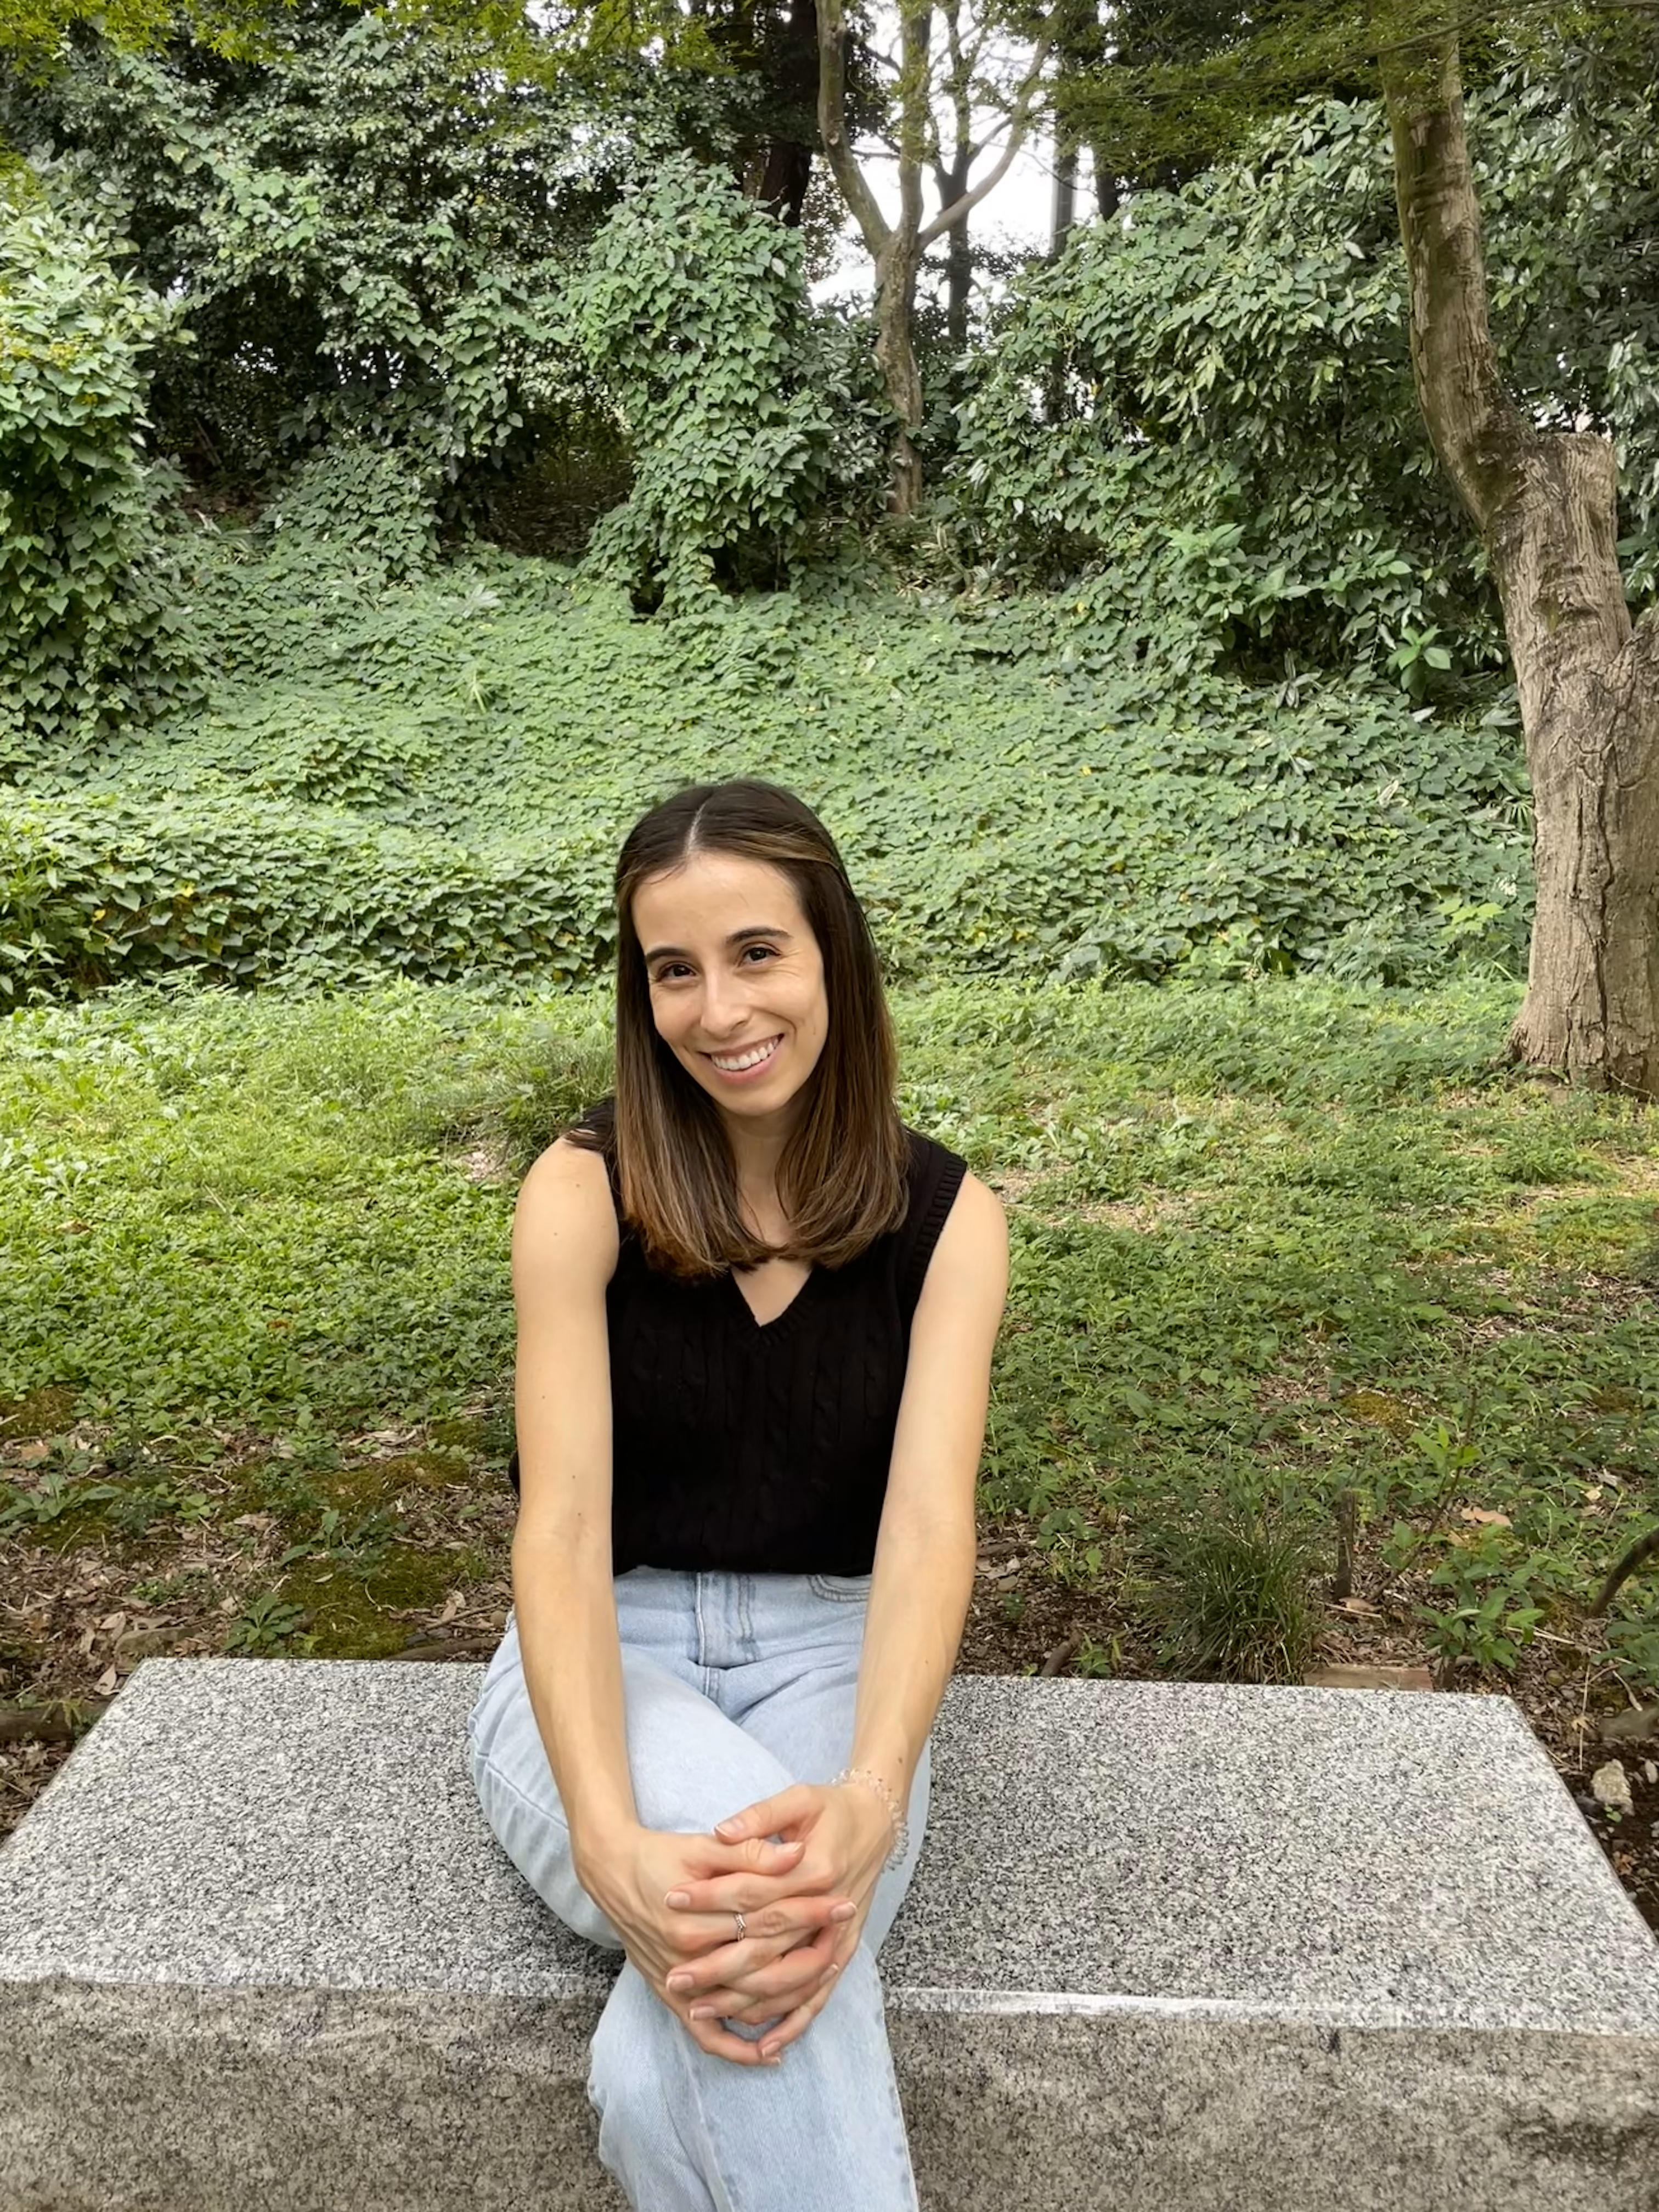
x=756, y=1317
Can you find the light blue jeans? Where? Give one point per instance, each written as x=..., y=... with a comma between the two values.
x=735, y=1685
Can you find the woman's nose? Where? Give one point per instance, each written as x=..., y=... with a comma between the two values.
x=725, y=1005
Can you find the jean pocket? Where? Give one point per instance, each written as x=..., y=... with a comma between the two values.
x=846, y=1590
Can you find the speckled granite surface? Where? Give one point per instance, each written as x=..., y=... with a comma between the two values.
x=1170, y=1948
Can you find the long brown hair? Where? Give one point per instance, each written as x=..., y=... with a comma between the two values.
x=843, y=1176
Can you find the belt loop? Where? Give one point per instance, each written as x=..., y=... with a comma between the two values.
x=746, y=1614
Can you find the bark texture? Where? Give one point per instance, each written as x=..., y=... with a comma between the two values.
x=1546, y=504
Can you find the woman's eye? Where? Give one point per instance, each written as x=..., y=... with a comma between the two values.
x=671, y=973
x=766, y=952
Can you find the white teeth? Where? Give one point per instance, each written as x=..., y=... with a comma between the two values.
x=735, y=1065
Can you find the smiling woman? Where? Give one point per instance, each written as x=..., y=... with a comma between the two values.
x=756, y=1317
x=743, y=959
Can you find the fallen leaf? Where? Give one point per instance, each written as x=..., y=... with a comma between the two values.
x=32, y=1454
x=1359, y=1604
x=105, y=1686
x=453, y=1605
x=112, y=1624
x=1479, y=1515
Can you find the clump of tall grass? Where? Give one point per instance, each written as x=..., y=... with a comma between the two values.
x=1232, y=1600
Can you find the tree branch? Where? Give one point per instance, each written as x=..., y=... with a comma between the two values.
x=832, y=128
x=1019, y=123
x=916, y=111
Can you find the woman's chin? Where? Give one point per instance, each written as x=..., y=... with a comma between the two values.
x=758, y=1098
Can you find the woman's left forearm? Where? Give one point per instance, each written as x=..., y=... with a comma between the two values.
x=923, y=1579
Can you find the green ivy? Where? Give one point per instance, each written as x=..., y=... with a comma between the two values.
x=432, y=779
x=692, y=315
x=89, y=633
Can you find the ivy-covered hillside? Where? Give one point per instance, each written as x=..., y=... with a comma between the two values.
x=431, y=778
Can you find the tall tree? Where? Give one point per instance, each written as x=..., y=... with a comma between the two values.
x=1536, y=475
x=897, y=247
x=1544, y=502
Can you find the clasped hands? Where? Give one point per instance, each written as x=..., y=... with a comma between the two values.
x=801, y=1867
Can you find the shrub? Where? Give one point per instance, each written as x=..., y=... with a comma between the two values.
x=89, y=636
x=692, y=314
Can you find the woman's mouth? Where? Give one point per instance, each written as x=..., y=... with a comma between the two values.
x=749, y=1057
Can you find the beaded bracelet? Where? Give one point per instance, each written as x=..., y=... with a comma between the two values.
x=894, y=1811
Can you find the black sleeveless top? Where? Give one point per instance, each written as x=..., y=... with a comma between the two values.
x=764, y=1448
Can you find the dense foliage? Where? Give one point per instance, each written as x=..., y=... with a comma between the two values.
x=1211, y=405
x=367, y=233
x=90, y=635
x=745, y=415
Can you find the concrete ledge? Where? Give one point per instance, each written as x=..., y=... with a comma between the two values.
x=1171, y=1948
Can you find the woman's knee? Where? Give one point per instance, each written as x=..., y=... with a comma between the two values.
x=690, y=1765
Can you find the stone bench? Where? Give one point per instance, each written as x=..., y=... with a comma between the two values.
x=1170, y=1948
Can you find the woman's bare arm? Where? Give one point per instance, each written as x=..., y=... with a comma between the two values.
x=564, y=1253
x=924, y=1574
x=924, y=1552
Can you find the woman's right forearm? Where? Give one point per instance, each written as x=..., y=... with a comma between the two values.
x=565, y=1608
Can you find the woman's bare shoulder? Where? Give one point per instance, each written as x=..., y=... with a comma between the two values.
x=978, y=1216
x=565, y=1222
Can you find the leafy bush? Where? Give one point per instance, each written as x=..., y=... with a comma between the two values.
x=367, y=227
x=88, y=634
x=365, y=507
x=692, y=315
x=1208, y=403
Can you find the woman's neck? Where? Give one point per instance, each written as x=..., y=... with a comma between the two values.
x=757, y=1145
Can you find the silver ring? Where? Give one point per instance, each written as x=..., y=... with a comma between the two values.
x=743, y=1928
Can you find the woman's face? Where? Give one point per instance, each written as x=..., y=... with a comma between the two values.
x=736, y=979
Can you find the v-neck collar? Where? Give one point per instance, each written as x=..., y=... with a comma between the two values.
x=774, y=1327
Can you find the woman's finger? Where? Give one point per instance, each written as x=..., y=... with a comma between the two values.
x=750, y=1893
x=796, y=1910
x=767, y=1993
x=845, y=1942
x=796, y=2023
x=769, y=1815
x=735, y=1964
x=710, y=2036
x=784, y=1976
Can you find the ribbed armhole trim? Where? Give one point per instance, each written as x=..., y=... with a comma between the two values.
x=945, y=1171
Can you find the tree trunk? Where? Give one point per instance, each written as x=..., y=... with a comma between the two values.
x=951, y=183
x=1065, y=201
x=793, y=80
x=785, y=178
x=895, y=358
x=1546, y=504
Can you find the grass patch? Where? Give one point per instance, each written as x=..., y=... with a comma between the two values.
x=1274, y=1246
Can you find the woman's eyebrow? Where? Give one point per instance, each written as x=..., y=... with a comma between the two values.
x=737, y=937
